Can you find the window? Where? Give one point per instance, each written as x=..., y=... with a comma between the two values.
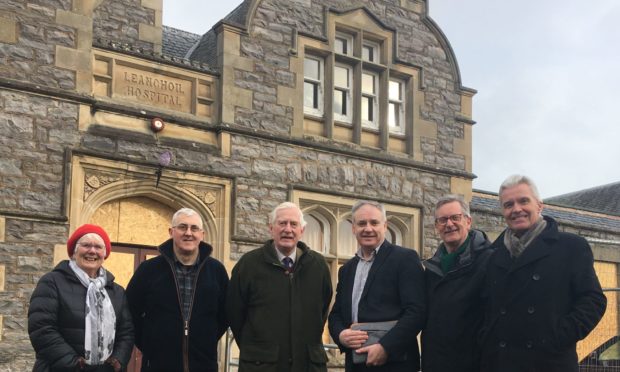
x=370, y=52
x=342, y=93
x=313, y=86
x=355, y=91
x=394, y=235
x=343, y=44
x=317, y=232
x=347, y=244
x=396, y=106
x=369, y=100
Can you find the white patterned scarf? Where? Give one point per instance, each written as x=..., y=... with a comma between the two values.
x=100, y=320
x=516, y=245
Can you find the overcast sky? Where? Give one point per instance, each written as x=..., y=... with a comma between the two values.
x=547, y=74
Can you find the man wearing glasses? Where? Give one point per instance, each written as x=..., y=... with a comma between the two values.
x=454, y=278
x=177, y=301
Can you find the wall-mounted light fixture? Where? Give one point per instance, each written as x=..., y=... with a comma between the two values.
x=164, y=160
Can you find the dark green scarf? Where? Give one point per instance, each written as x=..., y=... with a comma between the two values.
x=448, y=260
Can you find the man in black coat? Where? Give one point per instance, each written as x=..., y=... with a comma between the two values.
x=383, y=282
x=543, y=292
x=454, y=279
x=177, y=301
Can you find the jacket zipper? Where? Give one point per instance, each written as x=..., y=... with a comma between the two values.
x=185, y=346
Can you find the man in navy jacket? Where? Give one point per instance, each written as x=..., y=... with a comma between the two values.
x=383, y=282
x=543, y=293
x=177, y=301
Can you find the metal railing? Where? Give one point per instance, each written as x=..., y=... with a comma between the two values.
x=600, y=351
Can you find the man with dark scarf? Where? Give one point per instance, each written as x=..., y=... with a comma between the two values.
x=454, y=277
x=542, y=292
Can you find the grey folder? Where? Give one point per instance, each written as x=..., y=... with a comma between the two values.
x=375, y=331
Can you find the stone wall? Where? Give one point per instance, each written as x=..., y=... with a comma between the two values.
x=29, y=38
x=26, y=254
x=119, y=21
x=34, y=133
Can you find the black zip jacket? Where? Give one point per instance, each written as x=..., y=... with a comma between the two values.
x=166, y=341
x=455, y=309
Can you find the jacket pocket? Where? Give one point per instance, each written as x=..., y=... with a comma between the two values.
x=258, y=357
x=316, y=354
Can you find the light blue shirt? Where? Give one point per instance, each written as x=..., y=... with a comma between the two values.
x=361, y=274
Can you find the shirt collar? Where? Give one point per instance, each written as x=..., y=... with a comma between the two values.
x=293, y=255
x=372, y=257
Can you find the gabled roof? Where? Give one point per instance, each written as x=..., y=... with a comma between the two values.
x=205, y=49
x=240, y=14
x=176, y=43
x=602, y=199
x=488, y=202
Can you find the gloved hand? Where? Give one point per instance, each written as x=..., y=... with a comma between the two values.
x=114, y=363
x=80, y=365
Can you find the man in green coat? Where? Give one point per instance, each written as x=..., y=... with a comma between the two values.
x=278, y=299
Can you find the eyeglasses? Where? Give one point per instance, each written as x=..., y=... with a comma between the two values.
x=91, y=245
x=183, y=227
x=442, y=221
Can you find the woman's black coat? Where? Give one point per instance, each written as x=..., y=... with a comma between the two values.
x=56, y=320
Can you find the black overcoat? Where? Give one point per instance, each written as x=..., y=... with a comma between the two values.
x=56, y=320
x=540, y=304
x=394, y=290
x=455, y=309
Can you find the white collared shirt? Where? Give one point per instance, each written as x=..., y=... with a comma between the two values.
x=293, y=255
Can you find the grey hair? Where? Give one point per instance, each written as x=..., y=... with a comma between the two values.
x=185, y=212
x=361, y=203
x=89, y=235
x=453, y=198
x=518, y=179
x=286, y=205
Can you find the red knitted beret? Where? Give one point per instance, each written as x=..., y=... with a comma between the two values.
x=87, y=229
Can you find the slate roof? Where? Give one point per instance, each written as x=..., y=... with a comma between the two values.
x=239, y=15
x=568, y=216
x=176, y=43
x=205, y=49
x=602, y=199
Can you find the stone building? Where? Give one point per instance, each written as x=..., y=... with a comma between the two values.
x=109, y=117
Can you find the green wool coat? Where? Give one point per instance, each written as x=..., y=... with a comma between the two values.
x=277, y=318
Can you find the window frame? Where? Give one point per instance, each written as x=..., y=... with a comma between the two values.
x=376, y=51
x=399, y=128
x=319, y=84
x=374, y=123
x=348, y=38
x=348, y=102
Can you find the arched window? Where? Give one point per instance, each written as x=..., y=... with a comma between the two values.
x=317, y=233
x=394, y=235
x=347, y=245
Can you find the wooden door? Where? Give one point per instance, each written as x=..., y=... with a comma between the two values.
x=123, y=262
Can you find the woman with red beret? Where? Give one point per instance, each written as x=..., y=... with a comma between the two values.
x=78, y=318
